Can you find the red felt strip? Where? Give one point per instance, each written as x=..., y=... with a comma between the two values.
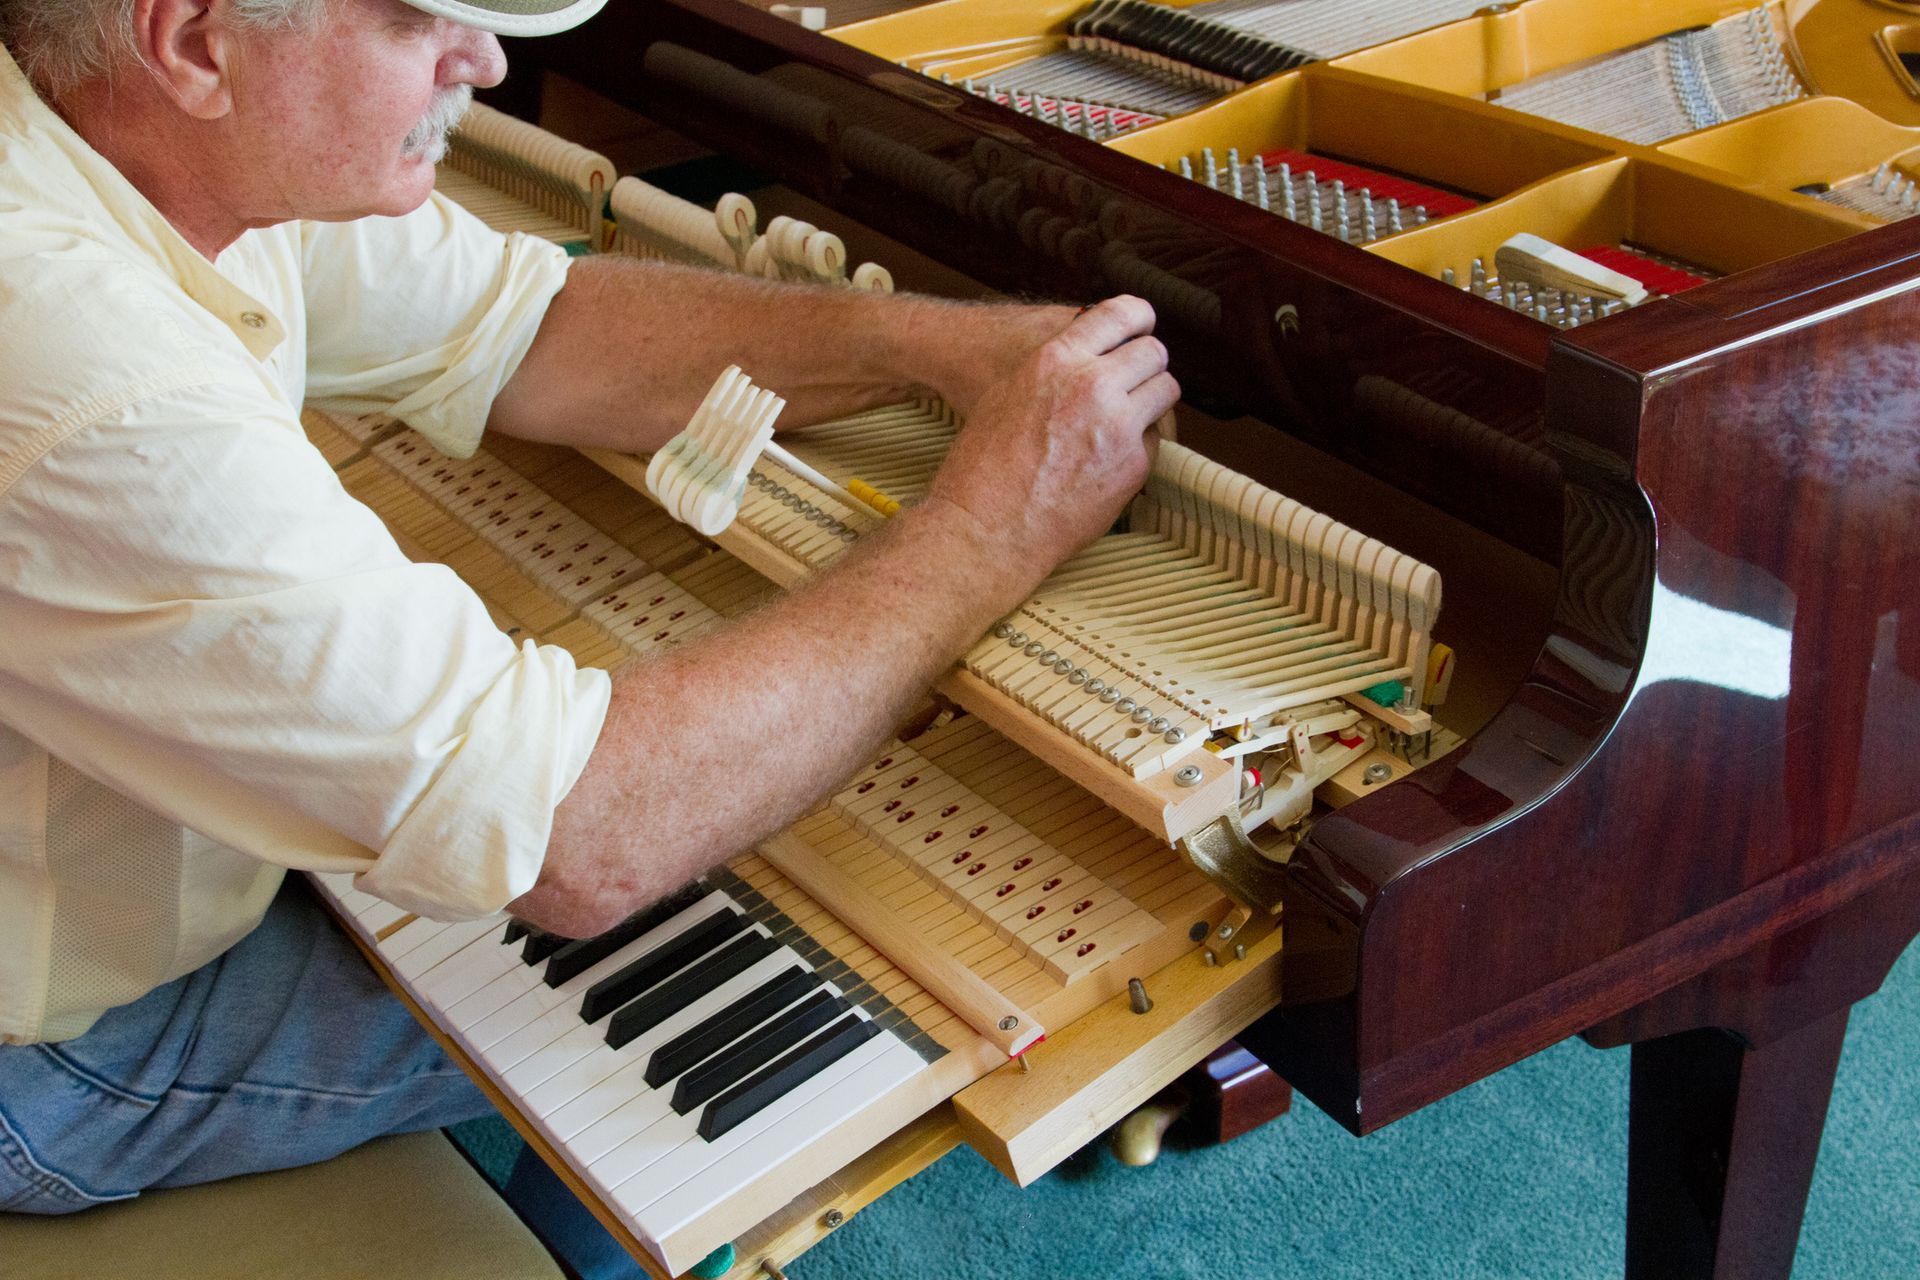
x=1657, y=276
x=1436, y=202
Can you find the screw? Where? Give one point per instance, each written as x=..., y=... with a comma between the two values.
x=1009, y=1022
x=1378, y=771
x=1187, y=776
x=832, y=1218
x=1226, y=931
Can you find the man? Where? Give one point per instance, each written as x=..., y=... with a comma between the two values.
x=215, y=665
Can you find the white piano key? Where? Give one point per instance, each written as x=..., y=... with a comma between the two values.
x=417, y=962
x=416, y=932
x=675, y=1152
x=496, y=994
x=380, y=915
x=744, y=1152
x=473, y=967
x=338, y=885
x=602, y=1061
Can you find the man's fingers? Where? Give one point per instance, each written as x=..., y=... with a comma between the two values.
x=1135, y=361
x=1155, y=397
x=1105, y=325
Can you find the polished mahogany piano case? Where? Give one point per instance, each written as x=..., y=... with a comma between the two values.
x=1689, y=818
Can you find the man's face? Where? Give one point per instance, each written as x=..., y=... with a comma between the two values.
x=348, y=118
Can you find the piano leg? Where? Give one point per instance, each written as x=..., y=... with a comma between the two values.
x=1721, y=1143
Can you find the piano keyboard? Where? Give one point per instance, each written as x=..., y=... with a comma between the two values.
x=675, y=1059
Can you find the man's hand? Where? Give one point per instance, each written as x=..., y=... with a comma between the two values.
x=793, y=697
x=1050, y=456
x=971, y=349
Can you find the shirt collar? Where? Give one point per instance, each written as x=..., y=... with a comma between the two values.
x=47, y=166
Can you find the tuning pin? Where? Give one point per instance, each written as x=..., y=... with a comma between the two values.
x=1446, y=276
x=1393, y=214
x=1186, y=168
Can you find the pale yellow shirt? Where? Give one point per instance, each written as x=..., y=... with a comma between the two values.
x=214, y=663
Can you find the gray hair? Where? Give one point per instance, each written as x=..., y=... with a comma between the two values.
x=61, y=44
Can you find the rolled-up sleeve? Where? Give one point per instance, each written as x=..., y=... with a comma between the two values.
x=436, y=353
x=199, y=616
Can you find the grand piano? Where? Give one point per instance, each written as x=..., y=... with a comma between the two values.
x=1678, y=539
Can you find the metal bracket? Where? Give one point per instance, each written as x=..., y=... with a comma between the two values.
x=1227, y=856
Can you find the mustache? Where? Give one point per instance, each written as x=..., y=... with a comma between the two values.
x=430, y=135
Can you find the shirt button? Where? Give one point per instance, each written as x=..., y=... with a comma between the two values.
x=253, y=320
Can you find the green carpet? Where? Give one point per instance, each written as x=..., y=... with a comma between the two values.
x=1522, y=1175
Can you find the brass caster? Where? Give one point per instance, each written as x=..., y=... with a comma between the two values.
x=1136, y=1140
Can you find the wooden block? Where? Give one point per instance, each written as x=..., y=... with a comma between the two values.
x=1090, y=1074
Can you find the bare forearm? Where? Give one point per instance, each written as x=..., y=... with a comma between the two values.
x=628, y=348
x=711, y=748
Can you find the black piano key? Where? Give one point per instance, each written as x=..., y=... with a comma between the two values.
x=540, y=945
x=516, y=930
x=576, y=958
x=687, y=986
x=711, y=1079
x=661, y=963
x=741, y=1102
x=704, y=1039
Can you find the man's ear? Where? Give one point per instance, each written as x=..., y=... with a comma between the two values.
x=189, y=51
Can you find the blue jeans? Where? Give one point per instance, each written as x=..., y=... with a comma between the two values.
x=284, y=1051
